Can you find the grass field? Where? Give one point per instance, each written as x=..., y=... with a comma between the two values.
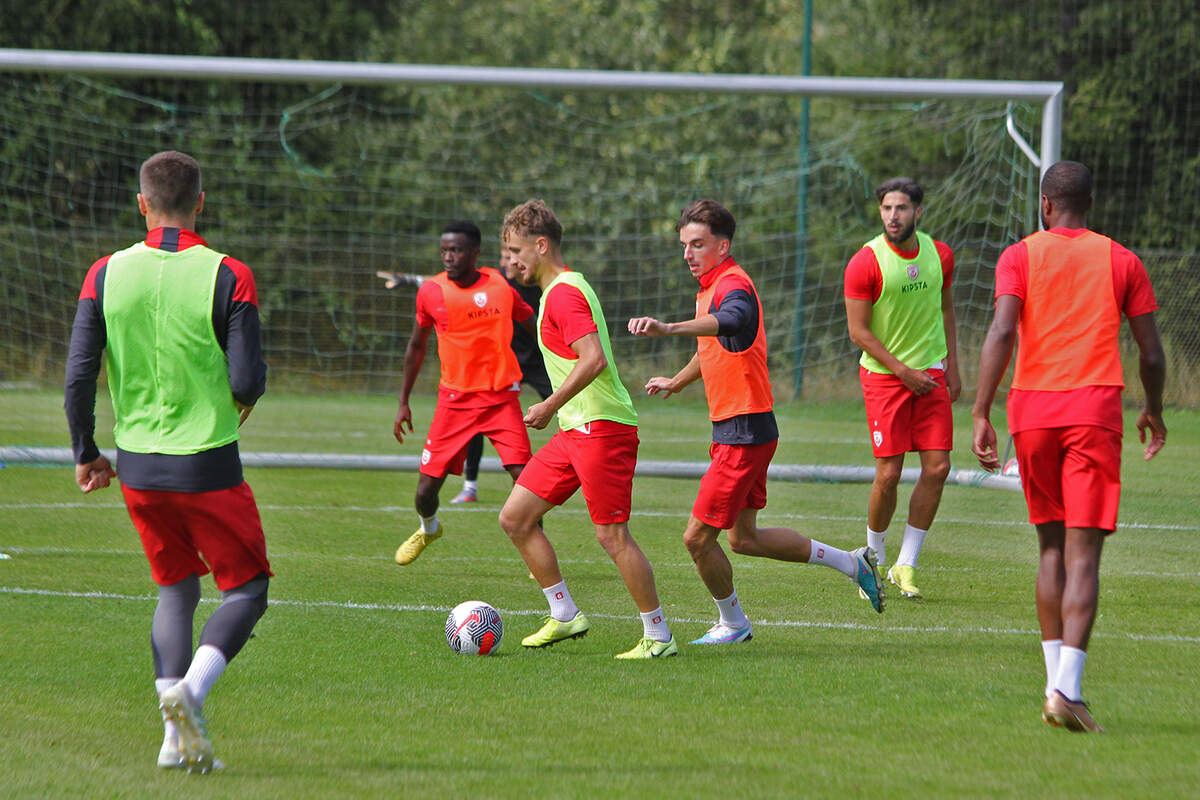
x=349, y=690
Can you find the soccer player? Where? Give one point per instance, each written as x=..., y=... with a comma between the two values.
x=1060, y=294
x=533, y=372
x=900, y=311
x=595, y=448
x=473, y=309
x=731, y=357
x=180, y=325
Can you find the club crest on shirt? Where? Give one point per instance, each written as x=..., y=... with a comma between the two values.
x=480, y=299
x=914, y=270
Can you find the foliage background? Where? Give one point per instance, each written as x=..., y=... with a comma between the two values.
x=1133, y=96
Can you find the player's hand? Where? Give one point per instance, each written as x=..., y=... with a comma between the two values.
x=403, y=417
x=660, y=385
x=539, y=415
x=983, y=445
x=953, y=384
x=243, y=412
x=94, y=475
x=647, y=326
x=1158, y=433
x=390, y=279
x=918, y=381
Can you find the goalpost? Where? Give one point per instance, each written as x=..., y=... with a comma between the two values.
x=321, y=174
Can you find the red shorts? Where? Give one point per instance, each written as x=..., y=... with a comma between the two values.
x=1071, y=475
x=181, y=531
x=601, y=461
x=901, y=421
x=453, y=428
x=736, y=480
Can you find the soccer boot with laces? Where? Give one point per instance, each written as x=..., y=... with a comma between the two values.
x=195, y=748
x=723, y=633
x=413, y=547
x=554, y=630
x=903, y=576
x=1070, y=714
x=866, y=576
x=651, y=648
x=169, y=758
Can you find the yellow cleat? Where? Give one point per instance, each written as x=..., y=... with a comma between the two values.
x=1072, y=715
x=413, y=547
x=652, y=648
x=554, y=630
x=902, y=576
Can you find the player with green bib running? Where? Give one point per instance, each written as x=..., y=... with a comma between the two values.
x=595, y=448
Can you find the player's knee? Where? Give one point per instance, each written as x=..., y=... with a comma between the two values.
x=697, y=539
x=513, y=524
x=253, y=592
x=887, y=476
x=741, y=541
x=938, y=471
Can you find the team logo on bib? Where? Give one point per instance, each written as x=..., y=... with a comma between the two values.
x=913, y=271
x=480, y=299
x=877, y=437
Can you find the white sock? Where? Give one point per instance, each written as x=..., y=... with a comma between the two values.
x=654, y=625
x=731, y=611
x=161, y=685
x=429, y=524
x=910, y=546
x=875, y=542
x=1050, y=651
x=562, y=607
x=207, y=665
x=1070, y=672
x=471, y=486
x=828, y=556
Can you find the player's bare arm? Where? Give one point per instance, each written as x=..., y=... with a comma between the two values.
x=591, y=363
x=950, y=324
x=1152, y=371
x=414, y=357
x=668, y=386
x=858, y=323
x=993, y=361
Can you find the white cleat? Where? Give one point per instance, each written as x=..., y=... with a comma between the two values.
x=194, y=747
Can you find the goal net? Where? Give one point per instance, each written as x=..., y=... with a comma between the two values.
x=318, y=188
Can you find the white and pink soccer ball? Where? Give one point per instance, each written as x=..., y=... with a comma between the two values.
x=474, y=628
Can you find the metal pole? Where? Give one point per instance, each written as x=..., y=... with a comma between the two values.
x=802, y=214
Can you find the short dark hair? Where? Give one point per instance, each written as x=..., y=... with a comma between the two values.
x=1069, y=184
x=533, y=218
x=907, y=185
x=717, y=217
x=170, y=182
x=466, y=228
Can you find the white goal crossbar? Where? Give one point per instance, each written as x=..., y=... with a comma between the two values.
x=272, y=70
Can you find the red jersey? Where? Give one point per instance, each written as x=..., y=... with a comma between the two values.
x=1097, y=404
x=474, y=330
x=864, y=280
x=567, y=318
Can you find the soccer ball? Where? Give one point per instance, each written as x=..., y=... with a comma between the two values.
x=474, y=628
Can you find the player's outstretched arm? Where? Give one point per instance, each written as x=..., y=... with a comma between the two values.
x=649, y=326
x=1152, y=369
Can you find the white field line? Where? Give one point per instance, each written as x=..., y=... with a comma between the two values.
x=741, y=564
x=986, y=631
x=766, y=516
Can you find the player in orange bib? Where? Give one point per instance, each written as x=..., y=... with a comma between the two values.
x=731, y=357
x=473, y=309
x=1062, y=292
